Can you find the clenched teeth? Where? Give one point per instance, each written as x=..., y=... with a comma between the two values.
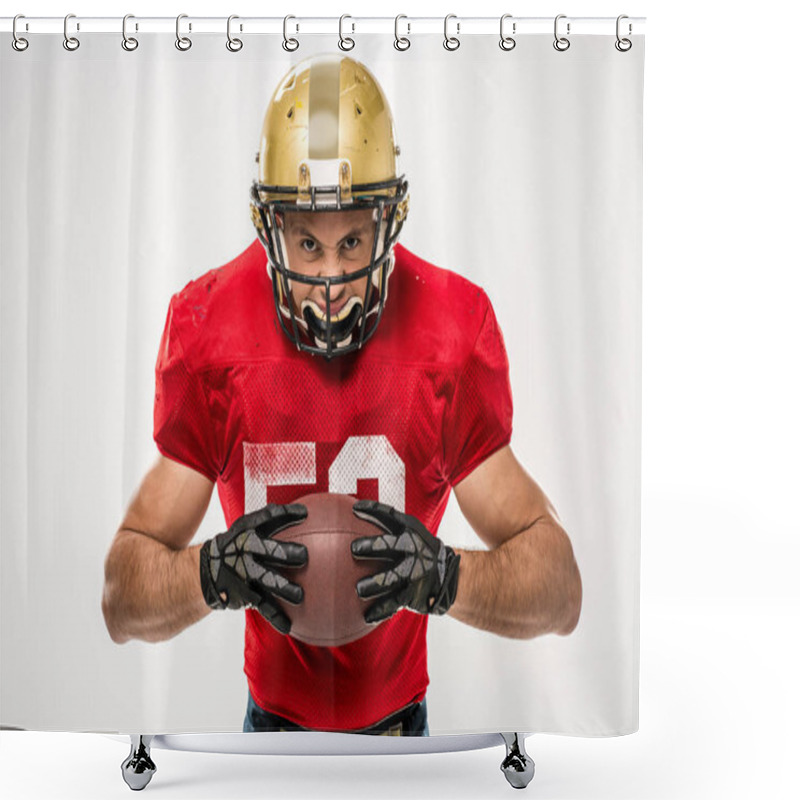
x=320, y=314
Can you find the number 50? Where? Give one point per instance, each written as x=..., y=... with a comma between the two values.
x=295, y=463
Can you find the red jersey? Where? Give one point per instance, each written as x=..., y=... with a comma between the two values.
x=404, y=419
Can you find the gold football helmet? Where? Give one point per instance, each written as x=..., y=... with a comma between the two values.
x=328, y=144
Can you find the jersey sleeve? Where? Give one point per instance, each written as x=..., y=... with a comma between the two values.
x=478, y=420
x=182, y=426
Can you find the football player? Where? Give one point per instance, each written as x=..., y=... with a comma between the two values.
x=328, y=358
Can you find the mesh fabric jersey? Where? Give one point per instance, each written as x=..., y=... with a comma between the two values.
x=423, y=403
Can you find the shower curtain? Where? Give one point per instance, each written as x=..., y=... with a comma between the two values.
x=126, y=176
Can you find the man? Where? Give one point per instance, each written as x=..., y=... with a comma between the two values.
x=327, y=358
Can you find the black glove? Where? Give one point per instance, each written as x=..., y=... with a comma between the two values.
x=239, y=568
x=424, y=575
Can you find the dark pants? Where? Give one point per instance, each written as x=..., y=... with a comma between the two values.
x=411, y=721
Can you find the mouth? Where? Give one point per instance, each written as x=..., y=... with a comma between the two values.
x=336, y=332
x=338, y=310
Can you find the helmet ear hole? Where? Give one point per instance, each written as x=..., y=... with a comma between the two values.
x=255, y=217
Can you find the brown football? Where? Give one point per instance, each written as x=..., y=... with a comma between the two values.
x=331, y=613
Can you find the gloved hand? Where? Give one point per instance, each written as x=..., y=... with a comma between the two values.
x=424, y=575
x=239, y=568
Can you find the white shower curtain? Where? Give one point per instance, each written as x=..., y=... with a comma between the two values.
x=126, y=174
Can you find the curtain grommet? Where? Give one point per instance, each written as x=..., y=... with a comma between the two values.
x=401, y=43
x=507, y=43
x=561, y=43
x=71, y=43
x=346, y=43
x=19, y=43
x=451, y=43
x=289, y=44
x=233, y=44
x=129, y=43
x=183, y=43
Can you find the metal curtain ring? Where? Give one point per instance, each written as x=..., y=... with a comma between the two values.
x=623, y=45
x=345, y=42
x=18, y=43
x=289, y=44
x=70, y=42
x=128, y=42
x=183, y=43
x=507, y=42
x=233, y=45
x=561, y=43
x=401, y=42
x=451, y=42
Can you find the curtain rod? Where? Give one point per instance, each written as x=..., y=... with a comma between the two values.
x=461, y=26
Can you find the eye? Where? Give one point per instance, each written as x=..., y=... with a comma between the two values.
x=351, y=242
x=308, y=245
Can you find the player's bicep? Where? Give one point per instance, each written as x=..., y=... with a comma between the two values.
x=499, y=499
x=169, y=504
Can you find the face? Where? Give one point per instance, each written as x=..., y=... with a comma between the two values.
x=328, y=244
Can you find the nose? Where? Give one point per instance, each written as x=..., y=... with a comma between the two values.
x=330, y=265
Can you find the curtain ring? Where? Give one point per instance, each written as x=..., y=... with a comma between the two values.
x=507, y=42
x=345, y=42
x=70, y=42
x=623, y=45
x=561, y=43
x=18, y=43
x=289, y=44
x=183, y=43
x=233, y=45
x=401, y=42
x=129, y=43
x=451, y=42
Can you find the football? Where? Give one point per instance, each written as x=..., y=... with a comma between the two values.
x=332, y=613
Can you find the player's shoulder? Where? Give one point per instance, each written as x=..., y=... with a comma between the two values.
x=222, y=284
x=221, y=307
x=445, y=309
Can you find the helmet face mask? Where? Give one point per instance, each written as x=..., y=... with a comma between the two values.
x=308, y=163
x=328, y=336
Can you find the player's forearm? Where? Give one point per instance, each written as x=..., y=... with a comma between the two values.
x=527, y=587
x=151, y=592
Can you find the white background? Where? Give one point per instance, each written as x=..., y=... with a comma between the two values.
x=720, y=440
